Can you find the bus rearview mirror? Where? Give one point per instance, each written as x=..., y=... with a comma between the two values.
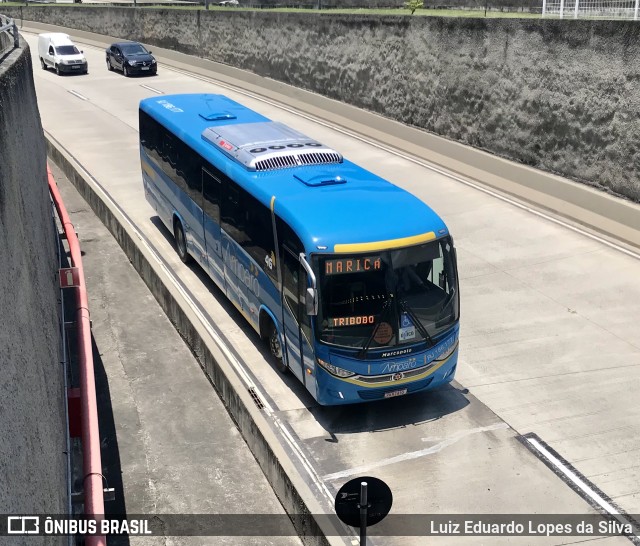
x=311, y=302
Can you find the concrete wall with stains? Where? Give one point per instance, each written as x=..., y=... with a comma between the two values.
x=562, y=96
x=32, y=400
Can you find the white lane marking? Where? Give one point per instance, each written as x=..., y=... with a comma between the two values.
x=413, y=454
x=75, y=93
x=422, y=163
x=575, y=479
x=152, y=89
x=235, y=363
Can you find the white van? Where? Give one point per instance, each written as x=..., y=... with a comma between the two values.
x=56, y=50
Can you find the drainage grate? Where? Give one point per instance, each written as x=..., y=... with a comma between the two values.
x=256, y=398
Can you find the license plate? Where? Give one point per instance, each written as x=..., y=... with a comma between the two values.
x=395, y=393
x=75, y=67
x=145, y=68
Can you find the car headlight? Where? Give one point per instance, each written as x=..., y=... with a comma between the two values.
x=132, y=63
x=63, y=61
x=334, y=370
x=153, y=61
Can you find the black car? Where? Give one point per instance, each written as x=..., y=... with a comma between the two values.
x=132, y=58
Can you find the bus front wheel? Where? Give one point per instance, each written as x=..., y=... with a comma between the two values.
x=276, y=348
x=181, y=242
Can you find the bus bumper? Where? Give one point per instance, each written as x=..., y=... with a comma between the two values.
x=335, y=391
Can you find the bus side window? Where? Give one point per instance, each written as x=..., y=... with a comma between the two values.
x=295, y=287
x=259, y=231
x=232, y=214
x=211, y=194
x=189, y=171
x=291, y=267
x=151, y=137
x=286, y=238
x=170, y=154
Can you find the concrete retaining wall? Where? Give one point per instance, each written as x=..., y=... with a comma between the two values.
x=563, y=96
x=32, y=418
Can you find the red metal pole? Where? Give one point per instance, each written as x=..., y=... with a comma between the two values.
x=92, y=463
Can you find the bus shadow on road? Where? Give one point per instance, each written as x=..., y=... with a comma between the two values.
x=395, y=413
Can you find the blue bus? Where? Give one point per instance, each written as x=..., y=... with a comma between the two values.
x=351, y=281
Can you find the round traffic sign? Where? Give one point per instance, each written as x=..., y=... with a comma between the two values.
x=379, y=501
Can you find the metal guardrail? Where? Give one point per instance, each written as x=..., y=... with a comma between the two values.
x=90, y=431
x=9, y=26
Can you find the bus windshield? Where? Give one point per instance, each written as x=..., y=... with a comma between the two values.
x=387, y=299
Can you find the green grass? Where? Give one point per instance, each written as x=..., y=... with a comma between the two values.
x=362, y=11
x=424, y=12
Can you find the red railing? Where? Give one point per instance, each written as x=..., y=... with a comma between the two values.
x=90, y=433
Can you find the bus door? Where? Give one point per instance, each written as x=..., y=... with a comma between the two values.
x=213, y=243
x=297, y=326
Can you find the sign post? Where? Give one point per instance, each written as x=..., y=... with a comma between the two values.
x=363, y=513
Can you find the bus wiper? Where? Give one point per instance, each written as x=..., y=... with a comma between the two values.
x=416, y=321
x=385, y=307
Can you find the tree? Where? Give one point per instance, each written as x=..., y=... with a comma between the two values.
x=413, y=5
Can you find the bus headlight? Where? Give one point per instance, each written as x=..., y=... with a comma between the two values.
x=334, y=370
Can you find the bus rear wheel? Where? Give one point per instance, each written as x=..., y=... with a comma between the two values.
x=275, y=348
x=181, y=242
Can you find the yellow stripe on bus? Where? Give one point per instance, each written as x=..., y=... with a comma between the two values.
x=404, y=381
x=385, y=245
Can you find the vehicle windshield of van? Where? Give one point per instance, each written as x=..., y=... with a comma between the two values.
x=134, y=49
x=67, y=50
